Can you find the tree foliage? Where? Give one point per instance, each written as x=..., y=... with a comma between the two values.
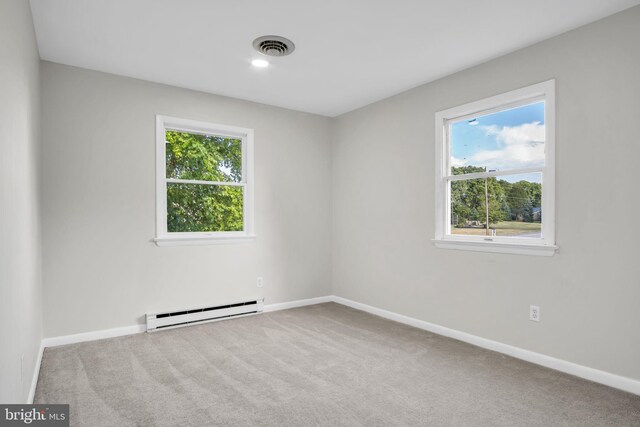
x=507, y=201
x=203, y=207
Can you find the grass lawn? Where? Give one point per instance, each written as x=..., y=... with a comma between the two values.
x=504, y=228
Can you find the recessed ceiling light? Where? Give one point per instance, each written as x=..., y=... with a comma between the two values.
x=260, y=63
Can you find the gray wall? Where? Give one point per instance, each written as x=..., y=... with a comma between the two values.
x=367, y=198
x=102, y=269
x=589, y=292
x=20, y=279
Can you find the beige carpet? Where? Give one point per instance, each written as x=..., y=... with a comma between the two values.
x=320, y=365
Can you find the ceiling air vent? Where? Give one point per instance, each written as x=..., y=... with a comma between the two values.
x=273, y=45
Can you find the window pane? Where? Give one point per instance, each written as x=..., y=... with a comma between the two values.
x=203, y=157
x=197, y=207
x=514, y=205
x=508, y=139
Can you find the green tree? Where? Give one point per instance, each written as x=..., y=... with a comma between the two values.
x=518, y=197
x=495, y=212
x=461, y=170
x=505, y=208
x=527, y=214
x=507, y=201
x=460, y=209
x=195, y=207
x=468, y=202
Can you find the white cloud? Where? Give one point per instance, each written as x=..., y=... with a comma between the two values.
x=520, y=147
x=526, y=133
x=456, y=162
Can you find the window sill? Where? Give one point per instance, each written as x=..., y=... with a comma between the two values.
x=503, y=248
x=205, y=240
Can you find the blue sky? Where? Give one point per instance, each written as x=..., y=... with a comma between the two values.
x=505, y=140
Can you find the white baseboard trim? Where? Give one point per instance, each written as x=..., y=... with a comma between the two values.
x=136, y=329
x=298, y=303
x=92, y=336
x=612, y=380
x=36, y=374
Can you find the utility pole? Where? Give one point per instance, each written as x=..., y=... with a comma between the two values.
x=486, y=203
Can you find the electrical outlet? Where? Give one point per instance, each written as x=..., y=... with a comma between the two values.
x=534, y=313
x=260, y=282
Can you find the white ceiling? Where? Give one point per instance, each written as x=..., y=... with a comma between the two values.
x=349, y=53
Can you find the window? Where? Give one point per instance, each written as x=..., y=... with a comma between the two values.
x=204, y=182
x=495, y=173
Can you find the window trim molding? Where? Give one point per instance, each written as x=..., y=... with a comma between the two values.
x=544, y=246
x=165, y=238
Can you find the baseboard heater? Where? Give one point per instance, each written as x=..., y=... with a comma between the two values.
x=174, y=319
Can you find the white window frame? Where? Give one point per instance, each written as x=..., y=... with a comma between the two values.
x=544, y=246
x=165, y=238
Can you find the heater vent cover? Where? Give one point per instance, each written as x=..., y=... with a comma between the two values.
x=273, y=45
x=185, y=317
